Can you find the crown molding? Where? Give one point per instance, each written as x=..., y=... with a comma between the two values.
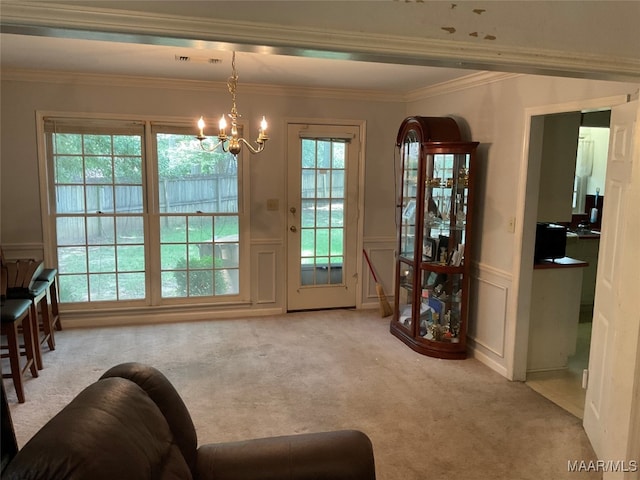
x=52, y=19
x=107, y=80
x=469, y=81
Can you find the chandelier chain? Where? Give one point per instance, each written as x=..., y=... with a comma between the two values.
x=232, y=85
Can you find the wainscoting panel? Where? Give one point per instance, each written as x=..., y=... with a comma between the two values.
x=266, y=277
x=268, y=272
x=488, y=316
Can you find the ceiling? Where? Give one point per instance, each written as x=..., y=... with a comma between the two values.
x=389, y=46
x=158, y=61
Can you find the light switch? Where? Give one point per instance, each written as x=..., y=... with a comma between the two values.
x=511, y=225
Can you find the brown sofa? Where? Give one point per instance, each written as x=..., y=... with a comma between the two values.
x=132, y=424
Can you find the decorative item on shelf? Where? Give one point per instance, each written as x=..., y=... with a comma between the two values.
x=449, y=182
x=429, y=250
x=445, y=209
x=407, y=277
x=458, y=255
x=232, y=143
x=461, y=216
x=593, y=215
x=433, y=213
x=457, y=296
x=436, y=332
x=409, y=211
x=447, y=319
x=463, y=176
x=433, y=182
x=443, y=255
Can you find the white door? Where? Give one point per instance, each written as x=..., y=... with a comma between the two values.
x=322, y=216
x=613, y=365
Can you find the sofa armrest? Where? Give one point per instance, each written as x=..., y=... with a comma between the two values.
x=339, y=455
x=167, y=399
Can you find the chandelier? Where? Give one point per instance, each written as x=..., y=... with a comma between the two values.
x=232, y=143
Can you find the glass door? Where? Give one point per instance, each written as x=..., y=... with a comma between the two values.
x=322, y=217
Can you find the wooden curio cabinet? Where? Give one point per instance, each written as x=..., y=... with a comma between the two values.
x=435, y=225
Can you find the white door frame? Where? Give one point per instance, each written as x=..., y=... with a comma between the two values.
x=362, y=126
x=528, y=185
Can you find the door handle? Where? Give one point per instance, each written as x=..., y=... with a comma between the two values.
x=293, y=228
x=293, y=210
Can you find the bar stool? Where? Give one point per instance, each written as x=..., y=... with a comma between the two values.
x=15, y=314
x=37, y=295
x=50, y=276
x=18, y=313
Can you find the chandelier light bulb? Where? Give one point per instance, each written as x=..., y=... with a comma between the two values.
x=201, y=126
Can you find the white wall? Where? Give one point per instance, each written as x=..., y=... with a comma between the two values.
x=496, y=117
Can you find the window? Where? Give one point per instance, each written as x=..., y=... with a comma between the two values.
x=199, y=221
x=322, y=211
x=121, y=212
x=584, y=169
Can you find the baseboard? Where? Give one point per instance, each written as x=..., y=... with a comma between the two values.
x=487, y=360
x=113, y=319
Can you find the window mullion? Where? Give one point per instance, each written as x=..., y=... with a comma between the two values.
x=152, y=215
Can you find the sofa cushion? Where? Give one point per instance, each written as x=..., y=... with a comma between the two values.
x=111, y=430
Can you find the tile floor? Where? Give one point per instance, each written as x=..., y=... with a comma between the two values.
x=564, y=387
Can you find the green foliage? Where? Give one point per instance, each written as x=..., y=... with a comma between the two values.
x=79, y=154
x=196, y=282
x=179, y=156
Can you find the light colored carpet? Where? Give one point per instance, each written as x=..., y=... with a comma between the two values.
x=307, y=372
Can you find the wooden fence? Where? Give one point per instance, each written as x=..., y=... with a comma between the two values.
x=197, y=193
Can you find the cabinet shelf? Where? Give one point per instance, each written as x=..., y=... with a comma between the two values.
x=434, y=237
x=439, y=268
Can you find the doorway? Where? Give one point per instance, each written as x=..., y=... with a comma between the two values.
x=322, y=215
x=610, y=405
x=555, y=370
x=613, y=364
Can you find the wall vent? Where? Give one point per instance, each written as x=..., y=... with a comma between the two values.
x=188, y=59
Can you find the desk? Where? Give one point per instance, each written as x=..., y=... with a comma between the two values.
x=554, y=314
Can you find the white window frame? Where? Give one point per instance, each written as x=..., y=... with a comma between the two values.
x=153, y=296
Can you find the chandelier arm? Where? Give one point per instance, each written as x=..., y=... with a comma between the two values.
x=251, y=147
x=208, y=148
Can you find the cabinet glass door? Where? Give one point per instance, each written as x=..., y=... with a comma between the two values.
x=445, y=208
x=410, y=153
x=440, y=306
x=405, y=295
